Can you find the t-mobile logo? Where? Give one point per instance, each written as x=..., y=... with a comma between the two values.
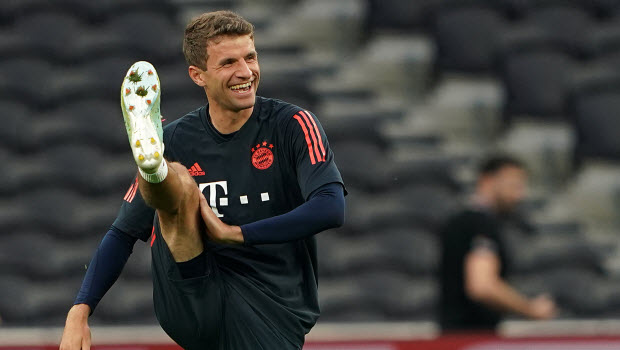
x=223, y=201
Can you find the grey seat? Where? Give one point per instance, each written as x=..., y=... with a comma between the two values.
x=93, y=121
x=362, y=164
x=131, y=301
x=125, y=32
x=396, y=15
x=15, y=117
x=27, y=303
x=595, y=105
x=468, y=38
x=23, y=79
x=568, y=25
x=537, y=77
x=51, y=34
x=62, y=212
x=408, y=251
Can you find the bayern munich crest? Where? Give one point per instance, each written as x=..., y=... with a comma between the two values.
x=262, y=155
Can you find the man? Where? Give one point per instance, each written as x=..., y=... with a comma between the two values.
x=474, y=293
x=234, y=258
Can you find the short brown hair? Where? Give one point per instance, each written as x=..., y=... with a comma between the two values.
x=206, y=27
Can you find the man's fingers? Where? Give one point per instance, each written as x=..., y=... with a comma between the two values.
x=86, y=341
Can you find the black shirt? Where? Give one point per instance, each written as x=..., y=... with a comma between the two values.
x=267, y=168
x=469, y=230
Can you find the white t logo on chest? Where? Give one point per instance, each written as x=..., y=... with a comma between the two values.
x=223, y=201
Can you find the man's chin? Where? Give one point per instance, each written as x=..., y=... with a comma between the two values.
x=240, y=106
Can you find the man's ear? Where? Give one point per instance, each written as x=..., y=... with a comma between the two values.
x=195, y=74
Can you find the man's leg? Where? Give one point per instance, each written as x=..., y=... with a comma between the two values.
x=167, y=187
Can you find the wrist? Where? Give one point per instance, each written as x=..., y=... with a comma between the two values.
x=236, y=234
x=79, y=312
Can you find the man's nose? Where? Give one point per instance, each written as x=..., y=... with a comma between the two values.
x=244, y=70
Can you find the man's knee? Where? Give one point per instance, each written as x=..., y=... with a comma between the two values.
x=187, y=181
x=179, y=169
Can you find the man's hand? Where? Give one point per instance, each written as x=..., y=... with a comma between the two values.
x=76, y=335
x=542, y=308
x=216, y=229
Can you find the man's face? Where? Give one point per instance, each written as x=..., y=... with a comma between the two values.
x=510, y=186
x=232, y=73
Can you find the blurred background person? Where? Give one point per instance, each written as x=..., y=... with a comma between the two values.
x=474, y=264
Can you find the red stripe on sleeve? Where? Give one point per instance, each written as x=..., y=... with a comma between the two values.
x=153, y=236
x=303, y=127
x=316, y=147
x=133, y=193
x=318, y=134
x=128, y=192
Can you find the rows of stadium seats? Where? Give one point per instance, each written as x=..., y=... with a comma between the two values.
x=412, y=95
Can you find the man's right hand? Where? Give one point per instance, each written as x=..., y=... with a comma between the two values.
x=76, y=335
x=542, y=307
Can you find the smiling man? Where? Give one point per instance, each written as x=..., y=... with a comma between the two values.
x=229, y=196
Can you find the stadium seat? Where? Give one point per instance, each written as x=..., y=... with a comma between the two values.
x=15, y=117
x=23, y=303
x=467, y=110
x=175, y=108
x=73, y=167
x=399, y=16
x=566, y=25
x=41, y=256
x=354, y=161
x=324, y=25
x=283, y=78
x=92, y=121
x=433, y=169
x=20, y=80
x=595, y=106
x=176, y=83
x=545, y=251
x=340, y=299
x=138, y=266
x=397, y=66
x=131, y=301
x=62, y=212
x=410, y=298
x=52, y=35
x=379, y=251
x=423, y=206
x=545, y=147
x=125, y=32
x=467, y=38
x=536, y=77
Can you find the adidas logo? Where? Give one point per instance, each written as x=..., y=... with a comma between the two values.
x=196, y=170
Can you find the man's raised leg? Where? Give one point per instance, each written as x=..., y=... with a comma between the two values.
x=167, y=187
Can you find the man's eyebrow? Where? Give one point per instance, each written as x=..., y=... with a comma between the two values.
x=226, y=60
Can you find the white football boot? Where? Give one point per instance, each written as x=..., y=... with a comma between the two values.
x=140, y=98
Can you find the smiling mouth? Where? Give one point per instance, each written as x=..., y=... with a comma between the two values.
x=242, y=87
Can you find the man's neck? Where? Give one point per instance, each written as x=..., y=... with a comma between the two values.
x=226, y=121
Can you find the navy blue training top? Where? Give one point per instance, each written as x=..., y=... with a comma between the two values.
x=271, y=166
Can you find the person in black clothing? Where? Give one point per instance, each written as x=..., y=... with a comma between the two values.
x=232, y=210
x=474, y=292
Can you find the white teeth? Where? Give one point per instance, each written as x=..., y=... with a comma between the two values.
x=241, y=86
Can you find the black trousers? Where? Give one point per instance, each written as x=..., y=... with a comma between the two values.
x=205, y=312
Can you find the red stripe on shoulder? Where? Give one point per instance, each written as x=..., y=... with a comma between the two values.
x=318, y=133
x=303, y=127
x=314, y=139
